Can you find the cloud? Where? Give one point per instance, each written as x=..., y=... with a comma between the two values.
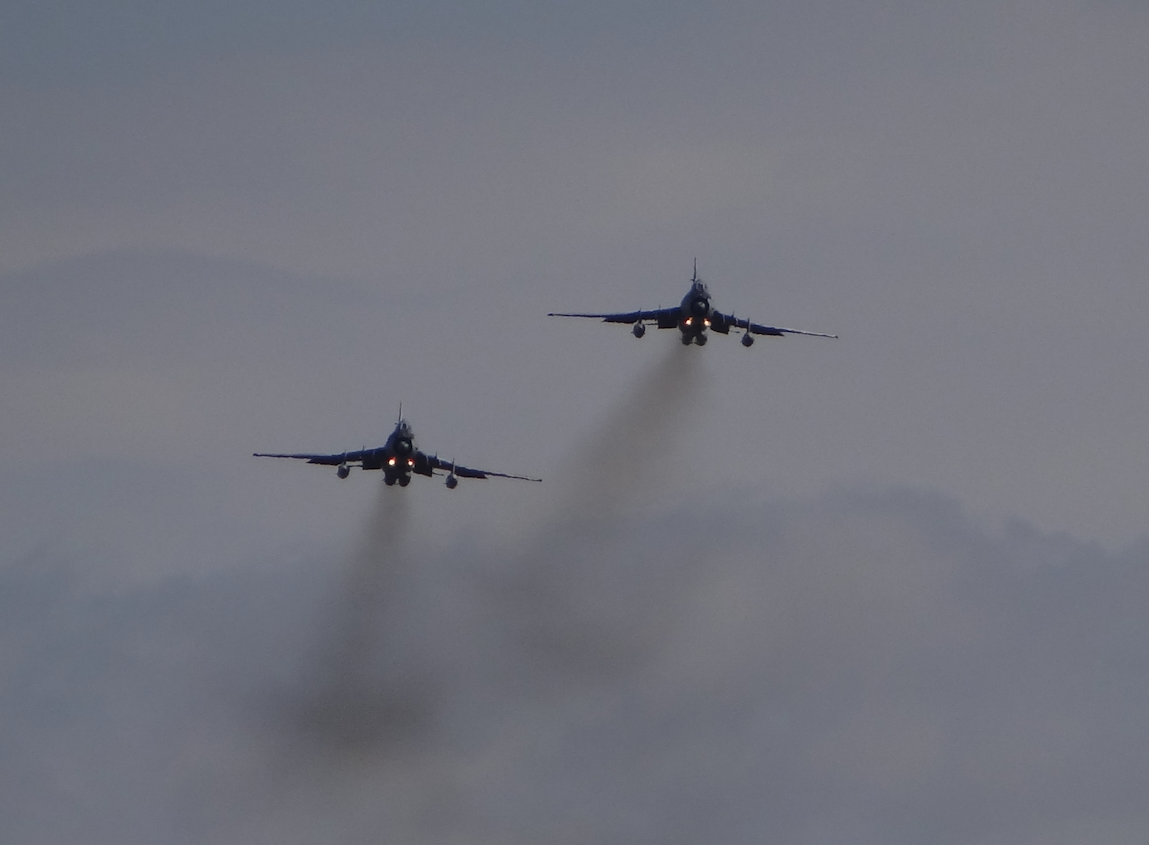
x=864, y=666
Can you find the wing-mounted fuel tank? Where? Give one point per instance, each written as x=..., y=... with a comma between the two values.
x=639, y=329
x=452, y=480
x=747, y=339
x=343, y=470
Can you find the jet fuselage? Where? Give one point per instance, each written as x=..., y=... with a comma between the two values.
x=398, y=457
x=697, y=315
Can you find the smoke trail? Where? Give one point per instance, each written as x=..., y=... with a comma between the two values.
x=382, y=660
x=634, y=446
x=364, y=690
x=573, y=609
x=419, y=665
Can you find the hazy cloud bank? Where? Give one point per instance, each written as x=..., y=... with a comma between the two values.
x=870, y=667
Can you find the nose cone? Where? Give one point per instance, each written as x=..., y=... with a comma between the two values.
x=700, y=306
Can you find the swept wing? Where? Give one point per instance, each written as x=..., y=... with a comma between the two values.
x=758, y=328
x=325, y=460
x=437, y=463
x=663, y=316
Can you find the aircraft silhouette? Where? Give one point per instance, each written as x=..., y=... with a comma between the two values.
x=692, y=318
x=398, y=458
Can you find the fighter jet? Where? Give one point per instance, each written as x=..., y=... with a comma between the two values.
x=693, y=317
x=398, y=458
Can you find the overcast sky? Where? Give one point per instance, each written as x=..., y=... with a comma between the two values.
x=887, y=588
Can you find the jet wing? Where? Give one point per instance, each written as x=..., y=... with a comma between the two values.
x=661, y=316
x=325, y=460
x=437, y=463
x=757, y=328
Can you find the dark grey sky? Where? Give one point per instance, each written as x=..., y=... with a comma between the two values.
x=960, y=191
x=235, y=228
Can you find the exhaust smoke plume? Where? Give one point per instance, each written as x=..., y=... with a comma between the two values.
x=364, y=690
x=636, y=445
x=574, y=608
x=542, y=616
